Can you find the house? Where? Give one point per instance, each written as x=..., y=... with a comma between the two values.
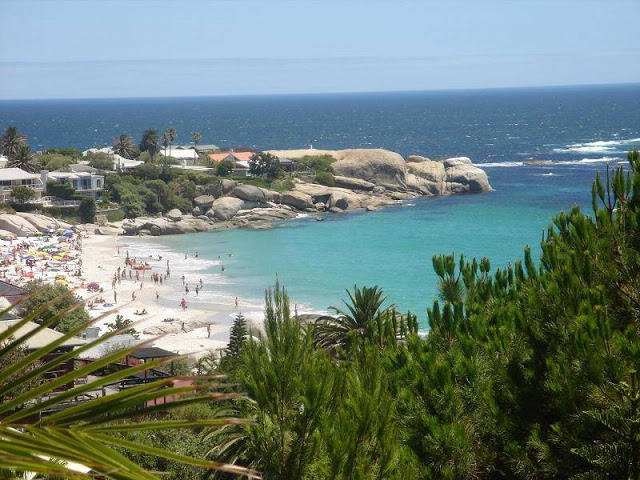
x=240, y=161
x=189, y=155
x=11, y=293
x=83, y=178
x=16, y=177
x=202, y=149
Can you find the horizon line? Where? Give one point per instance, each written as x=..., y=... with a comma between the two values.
x=363, y=92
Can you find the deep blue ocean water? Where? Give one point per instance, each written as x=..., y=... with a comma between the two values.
x=582, y=128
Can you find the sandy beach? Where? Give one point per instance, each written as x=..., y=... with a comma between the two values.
x=200, y=328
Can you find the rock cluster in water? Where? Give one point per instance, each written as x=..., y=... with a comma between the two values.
x=364, y=179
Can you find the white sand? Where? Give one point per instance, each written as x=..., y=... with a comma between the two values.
x=188, y=332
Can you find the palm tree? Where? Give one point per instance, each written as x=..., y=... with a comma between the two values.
x=90, y=435
x=123, y=146
x=166, y=141
x=196, y=137
x=363, y=313
x=24, y=158
x=149, y=142
x=171, y=135
x=11, y=142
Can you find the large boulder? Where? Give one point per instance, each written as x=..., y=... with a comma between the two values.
x=42, y=222
x=298, y=200
x=427, y=177
x=353, y=183
x=225, y=208
x=376, y=165
x=343, y=201
x=444, y=177
x=250, y=193
x=223, y=187
x=17, y=225
x=204, y=201
x=467, y=179
x=175, y=215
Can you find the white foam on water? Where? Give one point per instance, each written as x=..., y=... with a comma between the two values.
x=598, y=146
x=499, y=164
x=589, y=160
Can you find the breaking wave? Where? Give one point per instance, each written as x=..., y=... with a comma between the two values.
x=600, y=146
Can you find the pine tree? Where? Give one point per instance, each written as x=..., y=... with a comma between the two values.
x=238, y=337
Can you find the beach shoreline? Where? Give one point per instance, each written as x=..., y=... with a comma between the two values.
x=202, y=327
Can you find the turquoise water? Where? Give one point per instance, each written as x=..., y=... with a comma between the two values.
x=391, y=248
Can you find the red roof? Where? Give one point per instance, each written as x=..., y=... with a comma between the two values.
x=235, y=156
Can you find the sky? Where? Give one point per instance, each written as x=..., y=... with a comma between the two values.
x=156, y=48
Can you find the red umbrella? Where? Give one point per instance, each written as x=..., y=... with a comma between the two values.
x=93, y=287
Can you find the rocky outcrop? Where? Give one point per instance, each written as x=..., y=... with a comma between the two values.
x=225, y=208
x=376, y=165
x=204, y=201
x=17, y=225
x=445, y=177
x=353, y=183
x=297, y=199
x=42, y=222
x=175, y=215
x=163, y=226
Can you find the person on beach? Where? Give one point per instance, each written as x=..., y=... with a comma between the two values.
x=222, y=268
x=236, y=307
x=208, y=330
x=186, y=289
x=157, y=296
x=183, y=278
x=183, y=304
x=196, y=254
x=115, y=297
x=197, y=290
x=133, y=296
x=201, y=283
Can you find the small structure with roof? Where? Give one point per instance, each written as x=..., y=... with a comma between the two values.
x=16, y=177
x=42, y=338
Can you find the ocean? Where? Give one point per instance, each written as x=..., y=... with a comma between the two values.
x=583, y=129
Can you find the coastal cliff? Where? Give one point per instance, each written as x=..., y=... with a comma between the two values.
x=364, y=179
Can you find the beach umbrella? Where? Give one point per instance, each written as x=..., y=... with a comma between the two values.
x=57, y=257
x=93, y=286
x=31, y=257
x=62, y=282
x=61, y=239
x=68, y=233
x=28, y=275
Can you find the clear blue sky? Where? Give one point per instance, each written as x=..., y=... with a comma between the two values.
x=110, y=48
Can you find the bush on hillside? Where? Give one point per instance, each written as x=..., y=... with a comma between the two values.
x=325, y=178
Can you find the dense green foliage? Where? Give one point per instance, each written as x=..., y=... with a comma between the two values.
x=20, y=194
x=87, y=210
x=72, y=153
x=265, y=165
x=101, y=161
x=55, y=161
x=25, y=159
x=49, y=301
x=11, y=141
x=224, y=168
x=325, y=178
x=315, y=163
x=62, y=190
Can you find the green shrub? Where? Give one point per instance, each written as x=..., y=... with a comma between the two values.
x=61, y=190
x=87, y=210
x=315, y=163
x=114, y=215
x=325, y=178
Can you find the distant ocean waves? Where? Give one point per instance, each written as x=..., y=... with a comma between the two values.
x=603, y=151
x=600, y=146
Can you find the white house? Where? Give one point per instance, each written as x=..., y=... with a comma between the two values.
x=82, y=178
x=16, y=177
x=189, y=155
